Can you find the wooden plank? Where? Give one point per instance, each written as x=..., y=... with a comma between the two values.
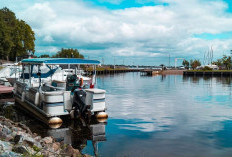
x=4, y=89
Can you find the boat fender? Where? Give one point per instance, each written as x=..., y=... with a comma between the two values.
x=23, y=97
x=100, y=115
x=55, y=120
x=55, y=126
x=81, y=82
x=37, y=99
x=15, y=88
x=101, y=120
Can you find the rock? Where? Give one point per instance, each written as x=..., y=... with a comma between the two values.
x=15, y=129
x=5, y=146
x=38, y=138
x=38, y=154
x=13, y=134
x=56, y=146
x=2, y=135
x=18, y=139
x=38, y=145
x=47, y=140
x=23, y=126
x=21, y=149
x=6, y=130
x=9, y=138
x=70, y=151
x=1, y=118
x=28, y=140
x=31, y=150
x=7, y=123
x=34, y=135
x=10, y=154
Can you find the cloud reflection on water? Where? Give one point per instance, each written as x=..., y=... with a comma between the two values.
x=174, y=102
x=167, y=116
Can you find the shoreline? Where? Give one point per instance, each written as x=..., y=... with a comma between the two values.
x=16, y=139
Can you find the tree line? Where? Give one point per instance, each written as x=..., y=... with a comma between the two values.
x=224, y=63
x=65, y=53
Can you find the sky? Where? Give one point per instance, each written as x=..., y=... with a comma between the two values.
x=138, y=32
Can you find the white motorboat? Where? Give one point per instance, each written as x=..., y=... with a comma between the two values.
x=12, y=72
x=9, y=73
x=53, y=99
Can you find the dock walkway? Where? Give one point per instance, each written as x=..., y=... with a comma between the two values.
x=5, y=89
x=208, y=73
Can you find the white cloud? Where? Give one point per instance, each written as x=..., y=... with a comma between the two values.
x=145, y=31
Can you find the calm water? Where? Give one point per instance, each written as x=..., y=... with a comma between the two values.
x=155, y=116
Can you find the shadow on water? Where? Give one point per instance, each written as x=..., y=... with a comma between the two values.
x=76, y=133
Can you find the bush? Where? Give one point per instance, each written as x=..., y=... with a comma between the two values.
x=207, y=68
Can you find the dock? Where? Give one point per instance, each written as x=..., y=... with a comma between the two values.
x=208, y=73
x=161, y=72
x=6, y=94
x=112, y=71
x=5, y=89
x=149, y=72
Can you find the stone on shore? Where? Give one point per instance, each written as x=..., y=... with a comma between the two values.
x=16, y=139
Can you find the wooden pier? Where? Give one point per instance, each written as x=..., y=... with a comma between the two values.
x=149, y=72
x=161, y=72
x=208, y=73
x=6, y=94
x=102, y=72
x=5, y=89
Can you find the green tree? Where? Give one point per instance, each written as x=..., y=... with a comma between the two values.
x=226, y=60
x=68, y=53
x=44, y=56
x=185, y=63
x=218, y=62
x=195, y=63
x=16, y=37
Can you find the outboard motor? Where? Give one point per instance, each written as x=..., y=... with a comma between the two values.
x=79, y=103
x=72, y=83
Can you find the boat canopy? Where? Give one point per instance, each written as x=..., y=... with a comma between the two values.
x=59, y=61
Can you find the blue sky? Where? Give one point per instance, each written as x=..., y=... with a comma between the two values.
x=139, y=32
x=123, y=4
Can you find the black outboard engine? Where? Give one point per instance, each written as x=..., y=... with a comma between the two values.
x=72, y=83
x=79, y=103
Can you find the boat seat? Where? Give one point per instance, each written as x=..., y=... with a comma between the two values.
x=47, y=88
x=20, y=87
x=52, y=93
x=53, y=97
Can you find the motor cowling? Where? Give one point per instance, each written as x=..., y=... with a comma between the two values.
x=72, y=82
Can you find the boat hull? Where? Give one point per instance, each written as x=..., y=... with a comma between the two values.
x=35, y=111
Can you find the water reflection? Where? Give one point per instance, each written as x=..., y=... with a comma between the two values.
x=166, y=116
x=76, y=133
x=156, y=116
x=196, y=79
